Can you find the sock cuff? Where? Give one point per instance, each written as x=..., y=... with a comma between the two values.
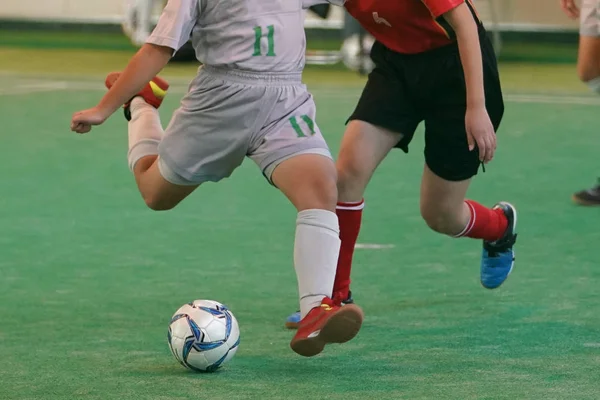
x=143, y=148
x=351, y=206
x=594, y=84
x=138, y=102
x=320, y=219
x=471, y=222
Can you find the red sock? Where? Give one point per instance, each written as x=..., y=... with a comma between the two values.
x=485, y=223
x=350, y=216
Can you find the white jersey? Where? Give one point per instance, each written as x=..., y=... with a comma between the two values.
x=251, y=35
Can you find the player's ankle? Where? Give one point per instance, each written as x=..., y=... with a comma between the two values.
x=341, y=295
x=137, y=101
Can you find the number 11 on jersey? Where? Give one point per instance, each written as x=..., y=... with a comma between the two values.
x=258, y=35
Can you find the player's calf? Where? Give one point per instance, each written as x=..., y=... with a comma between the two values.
x=442, y=203
x=447, y=221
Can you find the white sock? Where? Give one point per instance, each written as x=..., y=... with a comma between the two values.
x=316, y=252
x=145, y=131
x=594, y=85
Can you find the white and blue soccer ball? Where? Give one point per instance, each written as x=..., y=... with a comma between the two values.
x=203, y=335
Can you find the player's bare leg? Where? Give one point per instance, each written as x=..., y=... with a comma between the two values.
x=309, y=182
x=445, y=210
x=588, y=60
x=363, y=147
x=145, y=133
x=588, y=68
x=443, y=204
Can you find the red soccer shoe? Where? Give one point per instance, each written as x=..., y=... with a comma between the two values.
x=153, y=93
x=326, y=324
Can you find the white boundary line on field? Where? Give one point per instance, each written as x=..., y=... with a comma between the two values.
x=373, y=246
x=34, y=87
x=28, y=85
x=553, y=99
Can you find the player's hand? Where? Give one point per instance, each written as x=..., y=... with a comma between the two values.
x=570, y=8
x=83, y=121
x=480, y=133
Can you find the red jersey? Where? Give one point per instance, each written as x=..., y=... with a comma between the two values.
x=406, y=26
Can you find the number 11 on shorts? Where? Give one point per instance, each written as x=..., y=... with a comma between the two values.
x=310, y=124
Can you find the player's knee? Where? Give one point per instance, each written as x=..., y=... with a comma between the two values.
x=157, y=203
x=322, y=194
x=329, y=194
x=352, y=179
x=309, y=181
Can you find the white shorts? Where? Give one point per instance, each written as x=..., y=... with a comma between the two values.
x=228, y=115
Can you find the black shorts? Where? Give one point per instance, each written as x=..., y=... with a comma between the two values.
x=405, y=89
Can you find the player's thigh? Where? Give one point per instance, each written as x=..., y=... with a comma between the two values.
x=363, y=147
x=292, y=154
x=386, y=100
x=209, y=135
x=385, y=117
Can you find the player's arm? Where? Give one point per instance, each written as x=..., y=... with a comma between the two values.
x=480, y=130
x=467, y=35
x=172, y=31
x=144, y=66
x=570, y=8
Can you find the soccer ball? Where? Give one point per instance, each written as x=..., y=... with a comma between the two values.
x=203, y=335
x=351, y=53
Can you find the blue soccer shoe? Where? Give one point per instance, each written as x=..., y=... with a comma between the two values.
x=498, y=257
